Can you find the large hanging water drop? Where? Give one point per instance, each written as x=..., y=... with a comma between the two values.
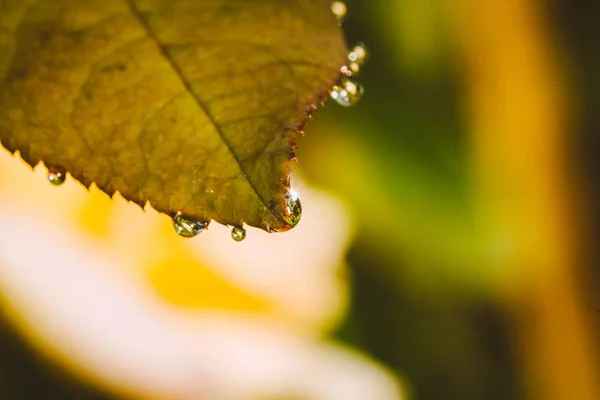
x=347, y=93
x=57, y=175
x=238, y=234
x=339, y=9
x=294, y=208
x=187, y=227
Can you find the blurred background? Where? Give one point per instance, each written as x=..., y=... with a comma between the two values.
x=448, y=248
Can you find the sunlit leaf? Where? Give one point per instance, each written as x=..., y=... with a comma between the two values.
x=191, y=105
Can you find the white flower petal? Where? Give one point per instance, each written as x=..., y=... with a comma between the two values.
x=109, y=323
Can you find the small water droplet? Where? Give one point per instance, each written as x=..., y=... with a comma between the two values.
x=355, y=68
x=347, y=93
x=187, y=227
x=238, y=234
x=294, y=208
x=356, y=59
x=339, y=9
x=346, y=71
x=57, y=175
x=359, y=54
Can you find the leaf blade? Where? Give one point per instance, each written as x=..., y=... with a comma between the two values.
x=192, y=106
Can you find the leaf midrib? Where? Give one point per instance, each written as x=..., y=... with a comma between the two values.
x=164, y=52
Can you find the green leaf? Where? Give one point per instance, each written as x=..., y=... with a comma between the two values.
x=192, y=105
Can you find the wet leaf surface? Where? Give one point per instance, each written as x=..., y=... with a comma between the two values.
x=190, y=105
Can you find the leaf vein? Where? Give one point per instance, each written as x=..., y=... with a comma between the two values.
x=164, y=51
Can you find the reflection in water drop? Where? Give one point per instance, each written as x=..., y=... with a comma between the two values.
x=238, y=234
x=347, y=93
x=57, y=175
x=294, y=208
x=186, y=227
x=339, y=9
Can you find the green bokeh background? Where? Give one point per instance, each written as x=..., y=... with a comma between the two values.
x=424, y=299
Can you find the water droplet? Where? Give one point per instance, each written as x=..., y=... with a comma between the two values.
x=346, y=71
x=339, y=9
x=355, y=68
x=187, y=227
x=347, y=93
x=238, y=234
x=356, y=59
x=294, y=208
x=359, y=54
x=57, y=175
